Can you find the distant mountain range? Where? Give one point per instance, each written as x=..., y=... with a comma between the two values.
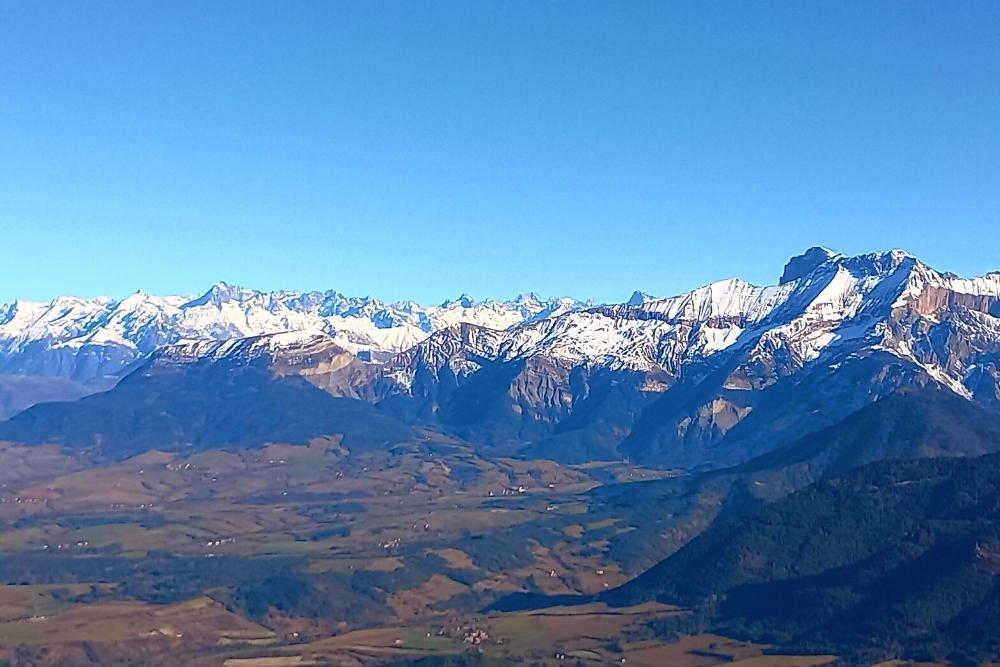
x=83, y=339
x=70, y=347
x=709, y=378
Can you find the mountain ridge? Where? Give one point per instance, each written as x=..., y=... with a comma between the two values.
x=701, y=364
x=135, y=326
x=708, y=378
x=231, y=394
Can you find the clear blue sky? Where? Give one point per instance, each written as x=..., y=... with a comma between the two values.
x=421, y=149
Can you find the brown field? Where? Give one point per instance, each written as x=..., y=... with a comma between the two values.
x=545, y=638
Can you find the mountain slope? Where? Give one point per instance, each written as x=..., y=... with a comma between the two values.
x=899, y=558
x=907, y=424
x=20, y=392
x=196, y=396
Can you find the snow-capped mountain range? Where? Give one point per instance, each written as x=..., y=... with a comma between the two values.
x=82, y=339
x=666, y=380
x=830, y=303
x=707, y=377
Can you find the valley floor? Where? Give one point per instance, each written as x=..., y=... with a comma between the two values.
x=313, y=555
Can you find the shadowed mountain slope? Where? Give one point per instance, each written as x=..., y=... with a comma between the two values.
x=898, y=558
x=909, y=423
x=233, y=395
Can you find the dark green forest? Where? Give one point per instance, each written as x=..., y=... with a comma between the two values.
x=897, y=559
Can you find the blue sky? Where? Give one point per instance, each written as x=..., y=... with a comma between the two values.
x=422, y=149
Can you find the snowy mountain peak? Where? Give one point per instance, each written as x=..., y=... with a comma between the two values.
x=267, y=347
x=220, y=293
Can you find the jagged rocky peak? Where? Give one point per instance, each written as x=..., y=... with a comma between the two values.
x=465, y=300
x=219, y=293
x=638, y=298
x=806, y=263
x=529, y=300
x=528, y=297
x=7, y=311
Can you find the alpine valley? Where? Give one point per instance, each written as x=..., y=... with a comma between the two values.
x=264, y=479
